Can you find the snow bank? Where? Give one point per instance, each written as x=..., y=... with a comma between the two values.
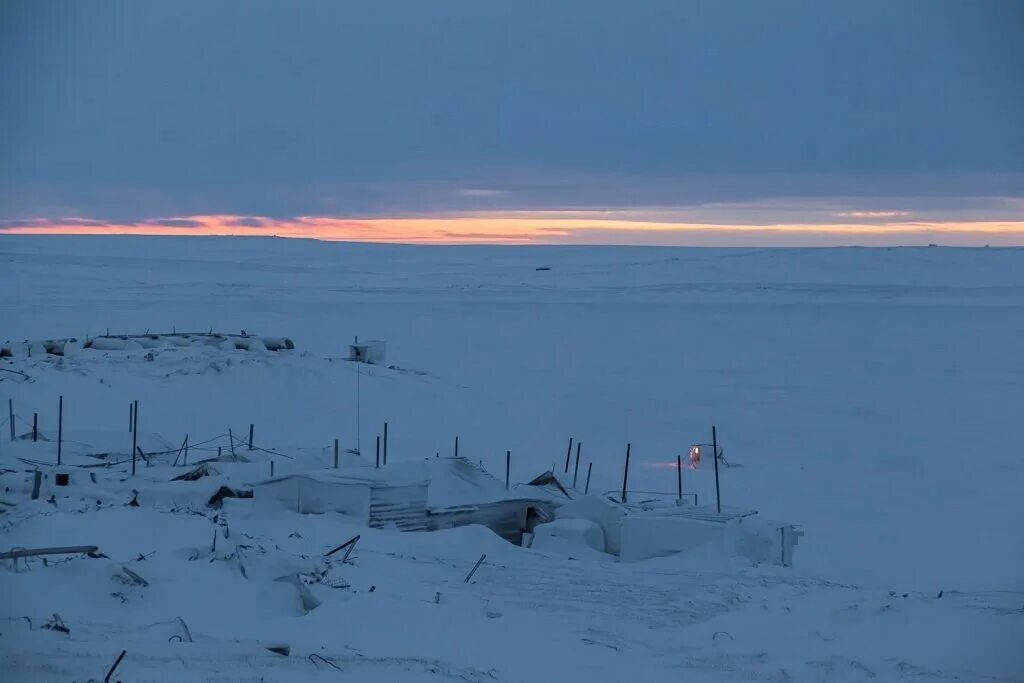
x=575, y=536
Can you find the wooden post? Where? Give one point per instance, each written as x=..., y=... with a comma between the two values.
x=251, y=426
x=576, y=471
x=10, y=415
x=679, y=477
x=131, y=418
x=625, y=473
x=590, y=468
x=456, y=447
x=186, y=450
x=60, y=428
x=135, y=432
x=378, y=450
x=35, y=427
x=568, y=452
x=385, y=443
x=231, y=440
x=508, y=468
x=335, y=454
x=271, y=468
x=714, y=454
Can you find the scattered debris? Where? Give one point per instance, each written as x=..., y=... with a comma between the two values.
x=196, y=473
x=349, y=544
x=56, y=624
x=283, y=649
x=313, y=657
x=216, y=500
x=130, y=578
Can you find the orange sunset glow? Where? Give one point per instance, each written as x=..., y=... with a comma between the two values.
x=520, y=228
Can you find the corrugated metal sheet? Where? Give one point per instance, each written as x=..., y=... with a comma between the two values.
x=404, y=506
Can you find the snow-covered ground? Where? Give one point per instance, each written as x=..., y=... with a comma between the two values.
x=871, y=396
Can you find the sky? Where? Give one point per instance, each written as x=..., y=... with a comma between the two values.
x=641, y=122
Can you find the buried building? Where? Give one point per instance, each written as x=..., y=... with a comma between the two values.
x=432, y=494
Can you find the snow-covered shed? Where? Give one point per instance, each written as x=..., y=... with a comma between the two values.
x=430, y=494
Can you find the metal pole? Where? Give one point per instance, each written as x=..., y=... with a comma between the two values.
x=576, y=472
x=385, y=443
x=335, y=454
x=378, y=450
x=714, y=454
x=35, y=427
x=131, y=419
x=60, y=428
x=10, y=415
x=625, y=473
x=508, y=468
x=359, y=409
x=679, y=476
x=590, y=468
x=456, y=447
x=568, y=452
x=135, y=433
x=250, y=435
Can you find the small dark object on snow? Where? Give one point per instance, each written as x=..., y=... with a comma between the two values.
x=62, y=479
x=196, y=473
x=350, y=544
x=939, y=595
x=217, y=499
x=373, y=588
x=57, y=624
x=313, y=657
x=283, y=650
x=544, y=268
x=134, y=502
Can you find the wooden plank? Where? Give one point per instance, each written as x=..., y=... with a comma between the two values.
x=32, y=552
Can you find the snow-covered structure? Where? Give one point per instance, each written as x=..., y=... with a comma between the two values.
x=436, y=493
x=373, y=351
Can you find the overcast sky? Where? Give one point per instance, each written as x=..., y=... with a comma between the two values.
x=133, y=111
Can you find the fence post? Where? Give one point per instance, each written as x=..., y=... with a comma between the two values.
x=385, y=443
x=568, y=452
x=625, y=473
x=251, y=426
x=135, y=432
x=378, y=450
x=60, y=428
x=679, y=477
x=508, y=468
x=335, y=454
x=576, y=471
x=10, y=415
x=590, y=468
x=456, y=447
x=714, y=454
x=35, y=427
